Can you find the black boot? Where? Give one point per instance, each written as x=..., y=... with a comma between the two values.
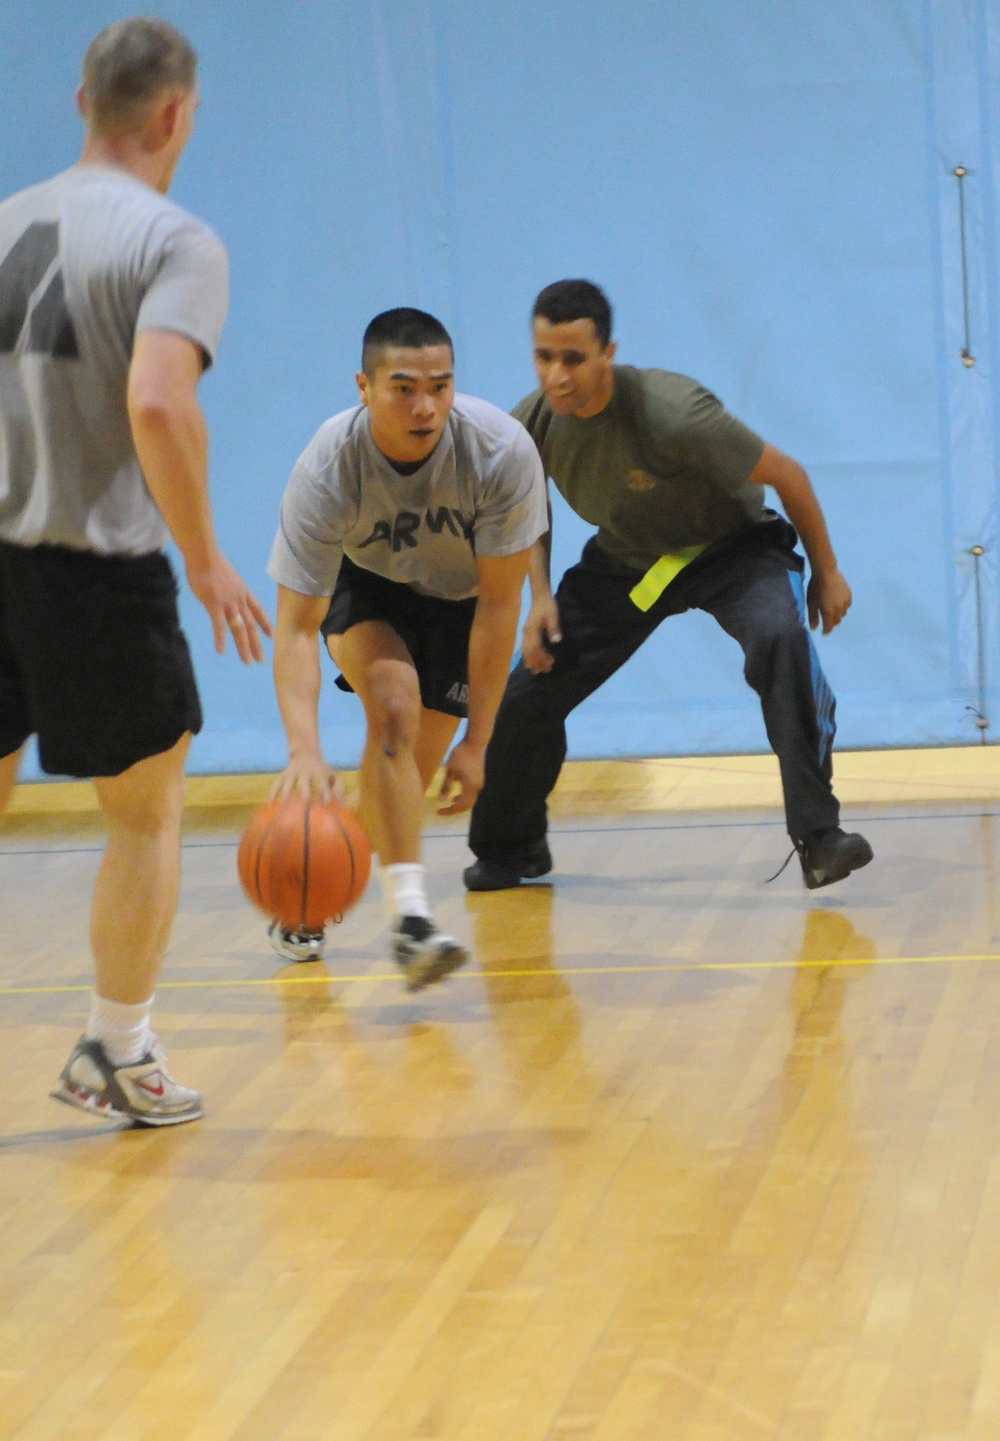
x=830, y=855
x=494, y=876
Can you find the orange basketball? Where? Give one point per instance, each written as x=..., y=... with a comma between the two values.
x=304, y=862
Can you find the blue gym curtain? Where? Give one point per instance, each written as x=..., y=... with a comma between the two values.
x=768, y=192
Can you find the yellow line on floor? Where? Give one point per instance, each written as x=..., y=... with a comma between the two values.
x=325, y=977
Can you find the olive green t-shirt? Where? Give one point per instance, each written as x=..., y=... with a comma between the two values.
x=663, y=467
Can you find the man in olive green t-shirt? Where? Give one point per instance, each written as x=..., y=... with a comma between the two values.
x=675, y=486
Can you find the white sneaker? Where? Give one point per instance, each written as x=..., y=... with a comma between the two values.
x=423, y=953
x=298, y=945
x=145, y=1093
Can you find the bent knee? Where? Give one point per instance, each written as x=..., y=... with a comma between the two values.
x=778, y=647
x=149, y=813
x=531, y=699
x=778, y=631
x=393, y=706
x=148, y=797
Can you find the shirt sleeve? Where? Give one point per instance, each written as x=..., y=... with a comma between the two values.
x=189, y=291
x=705, y=437
x=308, y=547
x=513, y=513
x=528, y=411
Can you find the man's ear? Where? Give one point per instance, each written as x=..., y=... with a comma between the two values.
x=169, y=117
x=362, y=384
x=81, y=101
x=162, y=122
x=611, y=350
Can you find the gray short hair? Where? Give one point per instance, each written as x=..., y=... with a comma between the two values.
x=129, y=64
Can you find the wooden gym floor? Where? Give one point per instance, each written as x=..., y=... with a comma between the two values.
x=683, y=1156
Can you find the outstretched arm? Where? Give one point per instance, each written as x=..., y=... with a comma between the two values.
x=297, y=683
x=491, y=645
x=171, y=441
x=828, y=595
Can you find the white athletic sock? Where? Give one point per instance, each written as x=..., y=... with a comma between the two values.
x=122, y=1030
x=404, y=889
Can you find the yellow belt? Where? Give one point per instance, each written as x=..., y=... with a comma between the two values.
x=659, y=575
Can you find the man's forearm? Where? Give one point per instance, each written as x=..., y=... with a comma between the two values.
x=791, y=483
x=804, y=512
x=297, y=686
x=540, y=560
x=491, y=646
x=171, y=441
x=803, y=509
x=539, y=576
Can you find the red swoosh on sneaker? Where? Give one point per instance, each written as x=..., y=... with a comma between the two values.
x=157, y=1090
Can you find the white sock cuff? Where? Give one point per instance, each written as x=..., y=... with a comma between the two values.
x=405, y=892
x=123, y=1030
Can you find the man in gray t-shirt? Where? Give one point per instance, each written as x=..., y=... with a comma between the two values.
x=404, y=534
x=112, y=301
x=70, y=474
x=675, y=486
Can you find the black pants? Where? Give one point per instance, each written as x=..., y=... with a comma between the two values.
x=752, y=585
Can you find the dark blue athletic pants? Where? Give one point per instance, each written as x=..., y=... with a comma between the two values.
x=753, y=587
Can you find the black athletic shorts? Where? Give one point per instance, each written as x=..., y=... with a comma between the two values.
x=92, y=659
x=434, y=631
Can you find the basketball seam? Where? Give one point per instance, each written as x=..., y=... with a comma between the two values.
x=260, y=854
x=305, y=865
x=350, y=848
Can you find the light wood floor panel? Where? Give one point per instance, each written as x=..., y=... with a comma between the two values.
x=684, y=1156
x=655, y=783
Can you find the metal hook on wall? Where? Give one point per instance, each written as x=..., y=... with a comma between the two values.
x=968, y=359
x=979, y=712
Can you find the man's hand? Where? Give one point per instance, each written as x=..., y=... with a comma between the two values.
x=828, y=598
x=230, y=605
x=541, y=625
x=463, y=778
x=308, y=776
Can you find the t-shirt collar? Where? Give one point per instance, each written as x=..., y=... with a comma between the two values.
x=603, y=417
x=386, y=465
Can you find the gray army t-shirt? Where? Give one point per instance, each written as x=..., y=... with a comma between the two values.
x=480, y=492
x=87, y=259
x=662, y=467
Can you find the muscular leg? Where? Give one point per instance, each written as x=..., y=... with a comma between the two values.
x=135, y=896
x=404, y=747
x=433, y=739
x=117, y=1068
x=404, y=743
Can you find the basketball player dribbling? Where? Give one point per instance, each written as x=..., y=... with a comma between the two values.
x=112, y=301
x=404, y=536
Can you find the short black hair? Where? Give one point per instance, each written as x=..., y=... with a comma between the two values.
x=411, y=329
x=131, y=63
x=565, y=300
